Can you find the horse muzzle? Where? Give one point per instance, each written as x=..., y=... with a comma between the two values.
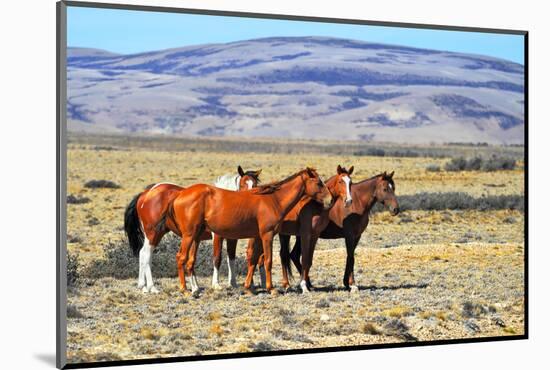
x=347, y=203
x=327, y=202
x=394, y=211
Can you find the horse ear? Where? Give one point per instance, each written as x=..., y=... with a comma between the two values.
x=240, y=171
x=258, y=172
x=350, y=171
x=384, y=174
x=339, y=170
x=391, y=174
x=310, y=172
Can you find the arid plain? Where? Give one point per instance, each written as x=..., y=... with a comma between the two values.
x=423, y=275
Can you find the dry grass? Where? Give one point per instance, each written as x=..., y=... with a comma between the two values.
x=417, y=272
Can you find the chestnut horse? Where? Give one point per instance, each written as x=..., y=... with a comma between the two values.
x=236, y=215
x=144, y=213
x=306, y=220
x=350, y=222
x=230, y=182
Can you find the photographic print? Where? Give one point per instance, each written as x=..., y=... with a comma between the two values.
x=241, y=184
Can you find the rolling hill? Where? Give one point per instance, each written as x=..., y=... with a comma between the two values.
x=303, y=87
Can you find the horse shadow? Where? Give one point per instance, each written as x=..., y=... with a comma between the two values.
x=332, y=288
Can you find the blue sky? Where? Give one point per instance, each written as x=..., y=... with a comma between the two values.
x=130, y=31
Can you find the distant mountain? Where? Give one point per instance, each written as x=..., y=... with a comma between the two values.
x=299, y=87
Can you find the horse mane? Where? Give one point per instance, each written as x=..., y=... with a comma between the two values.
x=276, y=185
x=382, y=175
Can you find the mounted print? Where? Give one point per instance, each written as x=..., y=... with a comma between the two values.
x=236, y=184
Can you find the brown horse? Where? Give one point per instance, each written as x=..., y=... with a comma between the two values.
x=230, y=182
x=237, y=215
x=350, y=222
x=306, y=220
x=144, y=213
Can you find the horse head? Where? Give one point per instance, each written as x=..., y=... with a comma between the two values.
x=385, y=192
x=316, y=188
x=341, y=186
x=249, y=179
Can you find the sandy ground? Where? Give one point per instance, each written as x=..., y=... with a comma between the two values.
x=423, y=275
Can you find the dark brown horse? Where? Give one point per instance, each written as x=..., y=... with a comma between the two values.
x=237, y=215
x=306, y=220
x=145, y=212
x=350, y=222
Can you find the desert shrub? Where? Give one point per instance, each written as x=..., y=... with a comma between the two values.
x=494, y=163
x=104, y=147
x=498, y=163
x=74, y=313
x=95, y=184
x=456, y=164
x=73, y=268
x=433, y=168
x=457, y=201
x=472, y=309
x=73, y=199
x=120, y=263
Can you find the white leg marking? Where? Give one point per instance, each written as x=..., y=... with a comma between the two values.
x=261, y=270
x=141, y=276
x=147, y=250
x=194, y=285
x=303, y=286
x=354, y=289
x=216, y=279
x=231, y=278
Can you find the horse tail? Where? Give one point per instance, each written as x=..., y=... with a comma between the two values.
x=284, y=253
x=132, y=226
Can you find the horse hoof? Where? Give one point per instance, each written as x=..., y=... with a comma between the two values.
x=248, y=291
x=195, y=294
x=354, y=289
x=141, y=285
x=216, y=287
x=304, y=287
x=274, y=292
x=153, y=290
x=233, y=284
x=144, y=290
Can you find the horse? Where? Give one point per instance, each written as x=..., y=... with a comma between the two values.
x=236, y=215
x=146, y=210
x=306, y=220
x=231, y=182
x=350, y=222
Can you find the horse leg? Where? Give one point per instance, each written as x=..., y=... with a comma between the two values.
x=251, y=259
x=306, y=260
x=350, y=261
x=260, y=263
x=231, y=254
x=285, y=259
x=267, y=243
x=313, y=243
x=295, y=255
x=142, y=265
x=351, y=279
x=181, y=259
x=190, y=266
x=217, y=243
x=145, y=280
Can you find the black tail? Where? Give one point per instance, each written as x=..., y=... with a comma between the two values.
x=132, y=226
x=284, y=253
